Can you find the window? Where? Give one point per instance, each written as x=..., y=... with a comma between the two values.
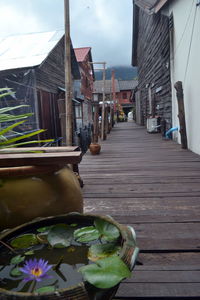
x=124, y=95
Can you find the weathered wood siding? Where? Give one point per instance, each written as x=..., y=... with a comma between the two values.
x=153, y=60
x=51, y=73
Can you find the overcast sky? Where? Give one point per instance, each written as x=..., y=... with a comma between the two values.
x=104, y=25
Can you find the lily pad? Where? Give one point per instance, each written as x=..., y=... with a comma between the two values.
x=108, y=231
x=106, y=273
x=100, y=251
x=86, y=234
x=15, y=272
x=31, y=252
x=45, y=229
x=60, y=236
x=45, y=289
x=17, y=260
x=24, y=241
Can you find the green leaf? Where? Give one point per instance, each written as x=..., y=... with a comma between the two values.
x=31, y=252
x=106, y=273
x=25, y=136
x=60, y=236
x=100, y=251
x=6, y=94
x=11, y=118
x=15, y=272
x=45, y=289
x=11, y=127
x=86, y=234
x=45, y=229
x=108, y=231
x=24, y=241
x=17, y=259
x=30, y=142
x=9, y=108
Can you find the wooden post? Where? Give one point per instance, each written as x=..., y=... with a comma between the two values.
x=103, y=132
x=68, y=79
x=96, y=123
x=181, y=113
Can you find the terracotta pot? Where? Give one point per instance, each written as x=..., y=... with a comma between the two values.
x=37, y=191
x=84, y=290
x=95, y=148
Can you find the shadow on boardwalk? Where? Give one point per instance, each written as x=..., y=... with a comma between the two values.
x=153, y=185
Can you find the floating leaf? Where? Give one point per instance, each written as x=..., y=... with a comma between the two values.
x=24, y=241
x=108, y=231
x=17, y=260
x=86, y=234
x=102, y=251
x=45, y=289
x=73, y=225
x=15, y=272
x=45, y=229
x=31, y=252
x=106, y=273
x=60, y=236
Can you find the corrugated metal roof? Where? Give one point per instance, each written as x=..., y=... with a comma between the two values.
x=98, y=86
x=125, y=85
x=81, y=53
x=27, y=50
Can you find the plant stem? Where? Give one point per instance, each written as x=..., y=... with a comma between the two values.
x=9, y=247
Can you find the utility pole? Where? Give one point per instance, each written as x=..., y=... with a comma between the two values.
x=68, y=79
x=103, y=132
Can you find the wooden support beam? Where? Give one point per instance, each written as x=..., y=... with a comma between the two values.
x=181, y=113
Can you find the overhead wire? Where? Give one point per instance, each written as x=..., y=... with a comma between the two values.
x=190, y=44
x=186, y=25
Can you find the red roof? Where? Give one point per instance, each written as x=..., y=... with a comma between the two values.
x=81, y=53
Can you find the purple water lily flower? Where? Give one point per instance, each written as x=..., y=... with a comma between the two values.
x=36, y=269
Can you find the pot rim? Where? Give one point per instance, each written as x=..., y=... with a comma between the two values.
x=126, y=234
x=25, y=171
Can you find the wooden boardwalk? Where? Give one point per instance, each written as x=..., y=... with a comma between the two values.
x=153, y=185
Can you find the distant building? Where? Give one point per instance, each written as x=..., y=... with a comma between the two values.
x=84, y=59
x=123, y=91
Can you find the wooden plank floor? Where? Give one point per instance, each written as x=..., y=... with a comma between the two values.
x=153, y=185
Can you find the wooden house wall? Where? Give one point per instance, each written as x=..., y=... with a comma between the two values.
x=153, y=61
x=51, y=73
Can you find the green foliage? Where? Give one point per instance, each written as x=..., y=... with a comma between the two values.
x=45, y=289
x=17, y=259
x=106, y=273
x=6, y=142
x=60, y=236
x=15, y=272
x=86, y=234
x=24, y=241
x=100, y=251
x=107, y=231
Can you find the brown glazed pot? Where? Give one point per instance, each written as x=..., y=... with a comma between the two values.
x=83, y=291
x=37, y=191
x=95, y=148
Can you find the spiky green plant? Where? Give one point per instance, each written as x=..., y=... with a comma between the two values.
x=5, y=116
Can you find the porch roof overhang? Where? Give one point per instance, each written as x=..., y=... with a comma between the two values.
x=151, y=6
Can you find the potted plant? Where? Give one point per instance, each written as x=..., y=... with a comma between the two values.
x=33, y=183
x=71, y=256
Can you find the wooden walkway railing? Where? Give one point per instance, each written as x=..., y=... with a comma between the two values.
x=153, y=185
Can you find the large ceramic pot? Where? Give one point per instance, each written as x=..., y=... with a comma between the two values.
x=83, y=291
x=95, y=148
x=37, y=191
